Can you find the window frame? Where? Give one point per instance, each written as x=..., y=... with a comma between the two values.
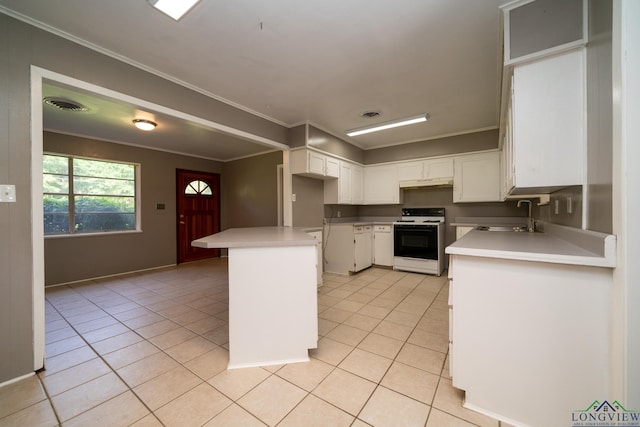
x=137, y=198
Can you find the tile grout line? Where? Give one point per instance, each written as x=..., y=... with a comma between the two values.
x=100, y=356
x=403, y=345
x=352, y=291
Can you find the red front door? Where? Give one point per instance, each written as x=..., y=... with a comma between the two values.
x=198, y=204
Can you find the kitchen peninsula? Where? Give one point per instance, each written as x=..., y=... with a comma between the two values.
x=273, y=312
x=529, y=321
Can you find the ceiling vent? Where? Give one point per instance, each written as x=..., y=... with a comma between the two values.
x=64, y=104
x=370, y=114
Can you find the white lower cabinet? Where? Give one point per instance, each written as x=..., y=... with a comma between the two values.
x=347, y=247
x=477, y=178
x=383, y=245
x=524, y=331
x=318, y=236
x=362, y=242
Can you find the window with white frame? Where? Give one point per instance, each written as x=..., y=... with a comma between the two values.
x=82, y=195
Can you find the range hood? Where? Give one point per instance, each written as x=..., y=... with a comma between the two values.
x=432, y=182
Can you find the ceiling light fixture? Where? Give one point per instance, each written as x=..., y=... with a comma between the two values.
x=145, y=125
x=389, y=125
x=174, y=8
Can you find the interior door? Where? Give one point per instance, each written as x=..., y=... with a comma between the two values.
x=198, y=206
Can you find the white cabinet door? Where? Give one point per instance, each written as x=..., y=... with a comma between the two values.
x=357, y=185
x=313, y=164
x=411, y=171
x=477, y=178
x=362, y=238
x=508, y=172
x=383, y=245
x=332, y=167
x=316, y=162
x=381, y=185
x=438, y=168
x=549, y=123
x=344, y=183
x=347, y=247
x=348, y=188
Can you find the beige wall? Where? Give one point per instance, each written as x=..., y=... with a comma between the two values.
x=308, y=209
x=477, y=141
x=81, y=257
x=20, y=47
x=250, y=191
x=297, y=136
x=326, y=142
x=16, y=296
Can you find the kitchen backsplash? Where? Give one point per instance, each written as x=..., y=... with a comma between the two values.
x=565, y=207
x=432, y=197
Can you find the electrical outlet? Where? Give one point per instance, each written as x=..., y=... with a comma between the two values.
x=293, y=197
x=339, y=214
x=556, y=206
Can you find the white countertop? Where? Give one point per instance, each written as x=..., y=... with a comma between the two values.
x=558, y=244
x=471, y=221
x=256, y=237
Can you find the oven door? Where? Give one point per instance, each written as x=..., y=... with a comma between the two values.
x=415, y=241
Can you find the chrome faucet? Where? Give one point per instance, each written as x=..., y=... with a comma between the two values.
x=531, y=225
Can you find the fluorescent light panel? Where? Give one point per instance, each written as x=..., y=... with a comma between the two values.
x=173, y=8
x=389, y=125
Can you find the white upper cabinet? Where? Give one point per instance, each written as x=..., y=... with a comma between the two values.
x=357, y=185
x=348, y=188
x=332, y=167
x=313, y=164
x=545, y=139
x=477, y=178
x=381, y=185
x=421, y=172
x=439, y=168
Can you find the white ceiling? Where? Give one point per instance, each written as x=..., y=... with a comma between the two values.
x=293, y=61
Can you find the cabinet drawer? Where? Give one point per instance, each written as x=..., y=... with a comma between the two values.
x=382, y=228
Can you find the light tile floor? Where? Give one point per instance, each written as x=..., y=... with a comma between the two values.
x=150, y=349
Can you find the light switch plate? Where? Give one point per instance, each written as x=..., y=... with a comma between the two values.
x=7, y=193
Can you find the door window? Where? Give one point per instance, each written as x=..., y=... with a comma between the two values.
x=198, y=187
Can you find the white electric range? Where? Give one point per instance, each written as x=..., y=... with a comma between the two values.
x=418, y=241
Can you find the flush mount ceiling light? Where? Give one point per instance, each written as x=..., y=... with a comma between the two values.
x=389, y=125
x=173, y=8
x=145, y=125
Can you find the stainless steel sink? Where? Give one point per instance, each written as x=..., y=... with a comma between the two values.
x=516, y=228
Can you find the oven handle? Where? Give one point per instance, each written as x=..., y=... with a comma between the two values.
x=413, y=226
